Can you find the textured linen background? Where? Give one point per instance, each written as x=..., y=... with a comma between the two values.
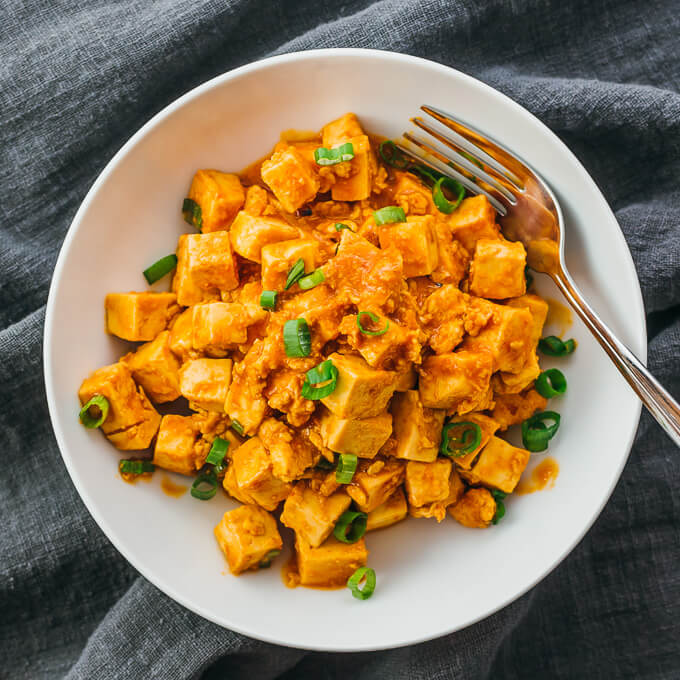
x=78, y=78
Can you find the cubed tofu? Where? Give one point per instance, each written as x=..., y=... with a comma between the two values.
x=512, y=409
x=437, y=509
x=155, y=368
x=475, y=509
x=538, y=308
x=331, y=564
x=205, y=383
x=443, y=318
x=454, y=259
x=340, y=129
x=500, y=465
x=362, y=437
x=427, y=482
x=393, y=510
x=356, y=186
x=217, y=327
x=175, y=448
x=205, y=267
x=279, y=258
x=311, y=515
x=513, y=383
x=291, y=178
x=412, y=195
x=456, y=381
x=245, y=399
x=406, y=380
x=374, y=482
x=417, y=429
x=230, y=485
x=474, y=219
x=180, y=335
x=488, y=427
x=139, y=316
x=290, y=452
x=497, y=269
x=360, y=391
x=220, y=197
x=132, y=422
x=506, y=336
x=249, y=234
x=254, y=474
x=247, y=536
x=415, y=239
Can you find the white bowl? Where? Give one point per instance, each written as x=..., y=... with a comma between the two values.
x=432, y=578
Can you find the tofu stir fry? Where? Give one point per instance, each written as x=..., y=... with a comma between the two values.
x=352, y=336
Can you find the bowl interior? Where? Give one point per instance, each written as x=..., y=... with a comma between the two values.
x=449, y=576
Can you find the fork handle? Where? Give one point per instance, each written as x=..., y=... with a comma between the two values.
x=658, y=401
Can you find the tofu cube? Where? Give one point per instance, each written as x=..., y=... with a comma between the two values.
x=475, y=509
x=205, y=267
x=538, y=308
x=443, y=316
x=356, y=186
x=220, y=326
x=245, y=399
x=176, y=445
x=132, y=422
x=417, y=429
x=230, y=485
x=155, y=368
x=455, y=381
x=488, y=427
x=512, y=409
x=291, y=178
x=180, y=335
x=246, y=536
x=427, y=482
x=497, y=269
x=220, y=197
x=500, y=465
x=249, y=234
x=416, y=240
x=331, y=564
x=279, y=258
x=290, y=452
x=311, y=515
x=139, y=316
x=393, y=510
x=362, y=437
x=406, y=380
x=474, y=219
x=361, y=391
x=340, y=129
x=374, y=482
x=412, y=195
x=513, y=383
x=437, y=509
x=254, y=475
x=205, y=383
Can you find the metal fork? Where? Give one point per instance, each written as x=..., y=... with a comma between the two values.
x=529, y=212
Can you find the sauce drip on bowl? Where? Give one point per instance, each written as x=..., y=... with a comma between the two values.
x=559, y=316
x=542, y=476
x=171, y=489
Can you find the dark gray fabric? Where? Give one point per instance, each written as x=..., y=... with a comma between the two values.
x=78, y=78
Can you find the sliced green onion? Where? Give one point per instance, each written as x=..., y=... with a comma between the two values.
x=443, y=203
x=324, y=156
x=217, y=451
x=320, y=381
x=374, y=318
x=347, y=465
x=192, y=213
x=528, y=276
x=99, y=402
x=459, y=439
x=311, y=280
x=296, y=272
x=389, y=214
x=297, y=340
x=351, y=526
x=498, y=496
x=268, y=299
x=267, y=559
x=339, y=226
x=471, y=158
x=325, y=464
x=160, y=268
x=355, y=580
x=426, y=173
x=536, y=434
x=135, y=467
x=204, y=486
x=555, y=347
x=237, y=427
x=393, y=155
x=551, y=383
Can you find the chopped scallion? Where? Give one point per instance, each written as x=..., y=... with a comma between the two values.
x=217, y=451
x=192, y=213
x=324, y=156
x=268, y=299
x=374, y=318
x=443, y=204
x=267, y=559
x=347, y=465
x=498, y=496
x=551, y=383
x=160, y=268
x=350, y=527
x=296, y=272
x=389, y=214
x=536, y=434
x=392, y=155
x=237, y=427
x=367, y=575
x=320, y=381
x=553, y=346
x=311, y=280
x=339, y=226
x=135, y=467
x=204, y=486
x=297, y=340
x=98, y=403
x=459, y=439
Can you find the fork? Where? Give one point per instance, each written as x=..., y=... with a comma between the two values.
x=528, y=211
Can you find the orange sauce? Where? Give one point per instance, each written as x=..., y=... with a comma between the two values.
x=133, y=479
x=171, y=489
x=559, y=316
x=542, y=476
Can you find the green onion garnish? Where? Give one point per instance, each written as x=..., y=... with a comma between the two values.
x=192, y=213
x=374, y=318
x=159, y=269
x=471, y=158
x=98, y=402
x=320, y=381
x=267, y=559
x=443, y=203
x=347, y=465
x=389, y=214
x=426, y=173
x=204, y=486
x=296, y=272
x=324, y=156
x=351, y=526
x=339, y=226
x=498, y=496
x=297, y=340
x=324, y=464
x=555, y=347
x=135, y=467
x=268, y=299
x=237, y=427
x=536, y=434
x=551, y=383
x=217, y=451
x=528, y=276
x=311, y=280
x=459, y=439
x=357, y=577
x=392, y=155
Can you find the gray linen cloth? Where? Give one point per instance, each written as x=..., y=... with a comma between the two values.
x=78, y=78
